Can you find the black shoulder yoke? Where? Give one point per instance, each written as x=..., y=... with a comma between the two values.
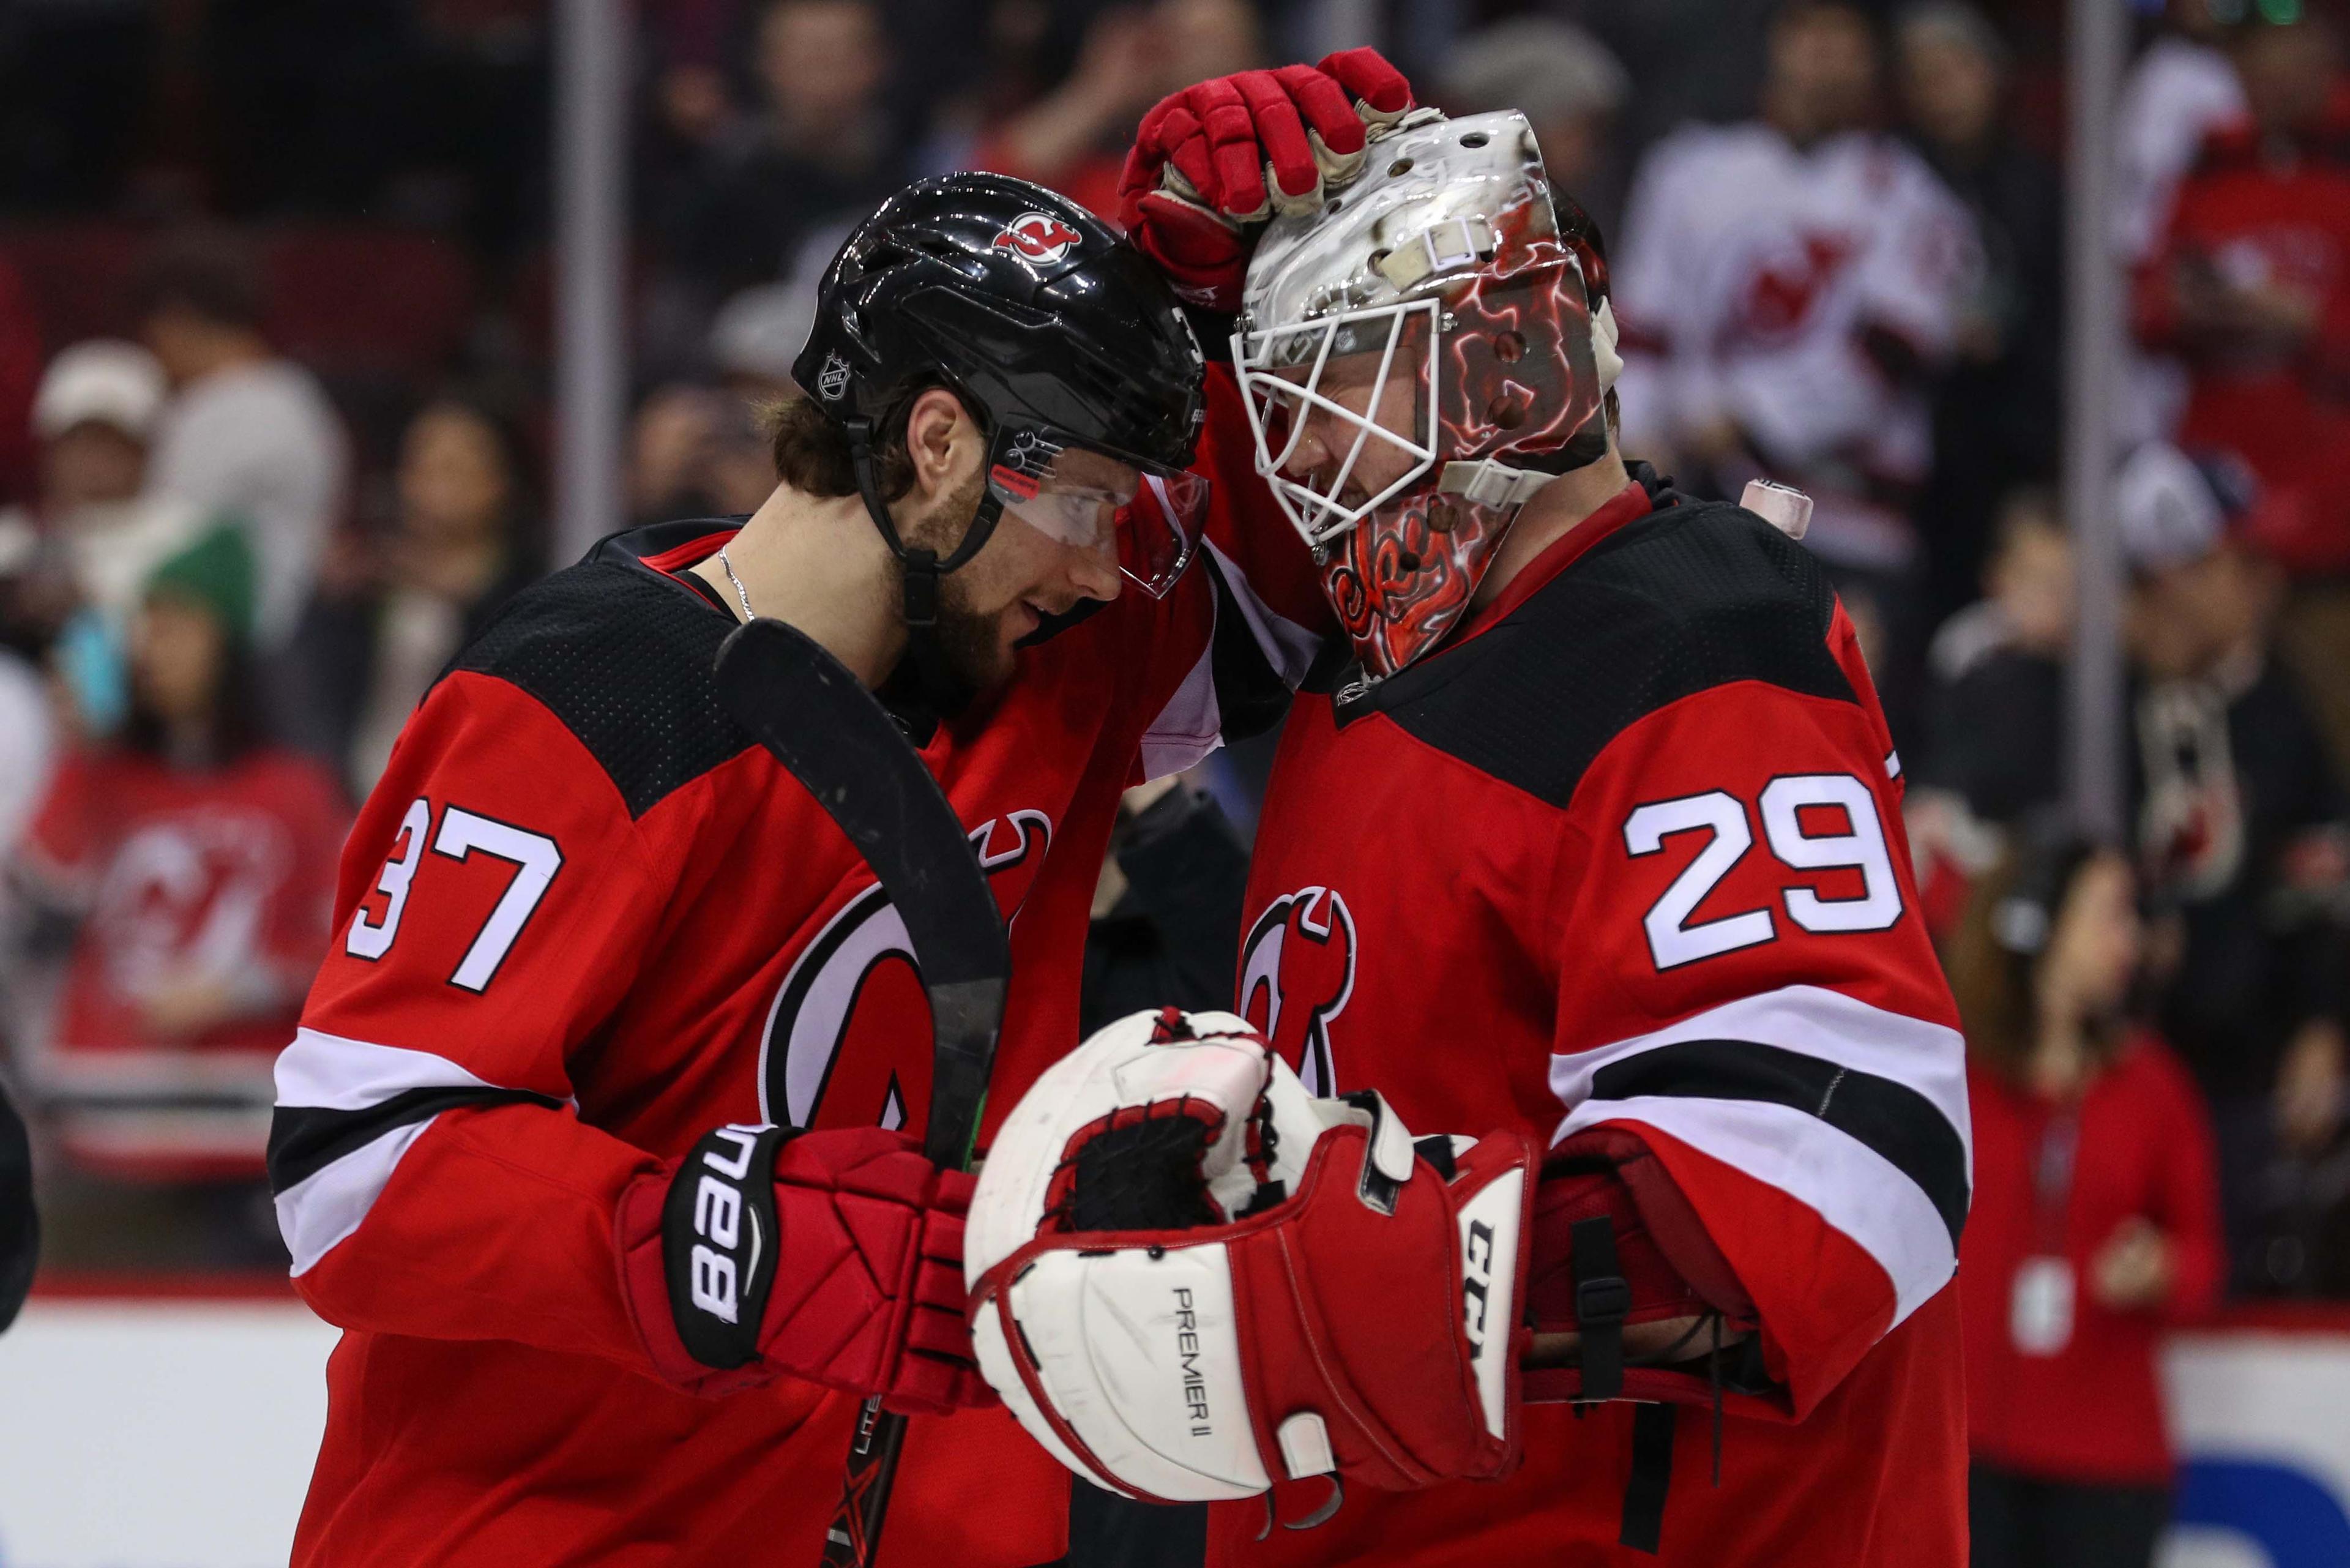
x=622, y=656
x=1690, y=598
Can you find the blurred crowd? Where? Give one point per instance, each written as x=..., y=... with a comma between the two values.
x=273, y=420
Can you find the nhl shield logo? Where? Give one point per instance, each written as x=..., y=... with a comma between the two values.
x=1038, y=237
x=833, y=380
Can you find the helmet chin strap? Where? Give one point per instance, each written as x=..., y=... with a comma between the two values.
x=943, y=686
x=1484, y=482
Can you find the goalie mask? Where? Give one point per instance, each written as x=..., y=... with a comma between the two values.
x=1418, y=357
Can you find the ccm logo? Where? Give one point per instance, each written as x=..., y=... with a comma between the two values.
x=719, y=1221
x=1477, y=1271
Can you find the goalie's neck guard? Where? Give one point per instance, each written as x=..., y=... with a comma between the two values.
x=1417, y=357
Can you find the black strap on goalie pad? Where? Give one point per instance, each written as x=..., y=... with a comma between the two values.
x=1643, y=1526
x=720, y=1240
x=1602, y=1298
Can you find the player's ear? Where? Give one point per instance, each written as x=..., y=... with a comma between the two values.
x=941, y=441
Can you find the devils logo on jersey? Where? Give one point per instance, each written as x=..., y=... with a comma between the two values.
x=1297, y=968
x=1039, y=236
x=847, y=1042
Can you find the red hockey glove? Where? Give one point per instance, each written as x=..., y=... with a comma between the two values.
x=1213, y=160
x=1615, y=1252
x=1192, y=1279
x=832, y=1256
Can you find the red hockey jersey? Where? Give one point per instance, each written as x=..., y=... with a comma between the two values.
x=213, y=878
x=1630, y=855
x=583, y=920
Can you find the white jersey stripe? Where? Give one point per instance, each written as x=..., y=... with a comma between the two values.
x=317, y=1213
x=327, y=1071
x=1811, y=1020
x=1850, y=1186
x=1191, y=724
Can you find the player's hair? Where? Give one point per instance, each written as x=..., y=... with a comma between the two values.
x=811, y=449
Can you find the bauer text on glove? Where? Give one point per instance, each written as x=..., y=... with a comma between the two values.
x=831, y=1256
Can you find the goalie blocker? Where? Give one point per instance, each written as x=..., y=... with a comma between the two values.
x=1191, y=1279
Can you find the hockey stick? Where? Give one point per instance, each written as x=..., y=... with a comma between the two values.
x=829, y=732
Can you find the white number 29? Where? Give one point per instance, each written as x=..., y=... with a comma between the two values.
x=1673, y=940
x=535, y=861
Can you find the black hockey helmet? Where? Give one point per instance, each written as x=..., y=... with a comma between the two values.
x=1053, y=331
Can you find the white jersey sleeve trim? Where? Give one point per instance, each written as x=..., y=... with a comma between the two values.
x=348, y=1111
x=328, y=1071
x=1931, y=1058
x=1191, y=725
x=318, y=1214
x=1852, y=1187
x=1915, y=1067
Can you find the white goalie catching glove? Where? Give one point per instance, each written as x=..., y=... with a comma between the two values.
x=1191, y=1279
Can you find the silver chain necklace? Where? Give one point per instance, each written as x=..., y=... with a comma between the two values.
x=728, y=567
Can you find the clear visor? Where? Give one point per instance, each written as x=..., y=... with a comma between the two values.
x=1147, y=524
x=1343, y=411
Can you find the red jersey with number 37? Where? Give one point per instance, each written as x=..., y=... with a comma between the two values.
x=1630, y=855
x=583, y=920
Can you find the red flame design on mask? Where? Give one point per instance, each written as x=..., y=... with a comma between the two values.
x=1517, y=375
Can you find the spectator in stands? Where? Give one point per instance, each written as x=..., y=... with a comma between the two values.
x=1787, y=288
x=93, y=515
x=2252, y=289
x=1993, y=750
x=696, y=452
x=247, y=433
x=199, y=862
x=1995, y=411
x=821, y=145
x=2240, y=833
x=2096, y=1218
x=1570, y=87
x=1074, y=138
x=2182, y=87
x=463, y=545
x=759, y=333
x=27, y=752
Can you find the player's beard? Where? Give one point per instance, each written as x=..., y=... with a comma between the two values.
x=969, y=640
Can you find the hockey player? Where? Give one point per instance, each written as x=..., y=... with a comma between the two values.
x=589, y=935
x=1586, y=828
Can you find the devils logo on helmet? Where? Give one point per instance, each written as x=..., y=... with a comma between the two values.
x=1039, y=236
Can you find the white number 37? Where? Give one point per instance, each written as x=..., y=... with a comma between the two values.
x=1674, y=941
x=533, y=856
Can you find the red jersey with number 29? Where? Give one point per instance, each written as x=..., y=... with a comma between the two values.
x=1628, y=856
